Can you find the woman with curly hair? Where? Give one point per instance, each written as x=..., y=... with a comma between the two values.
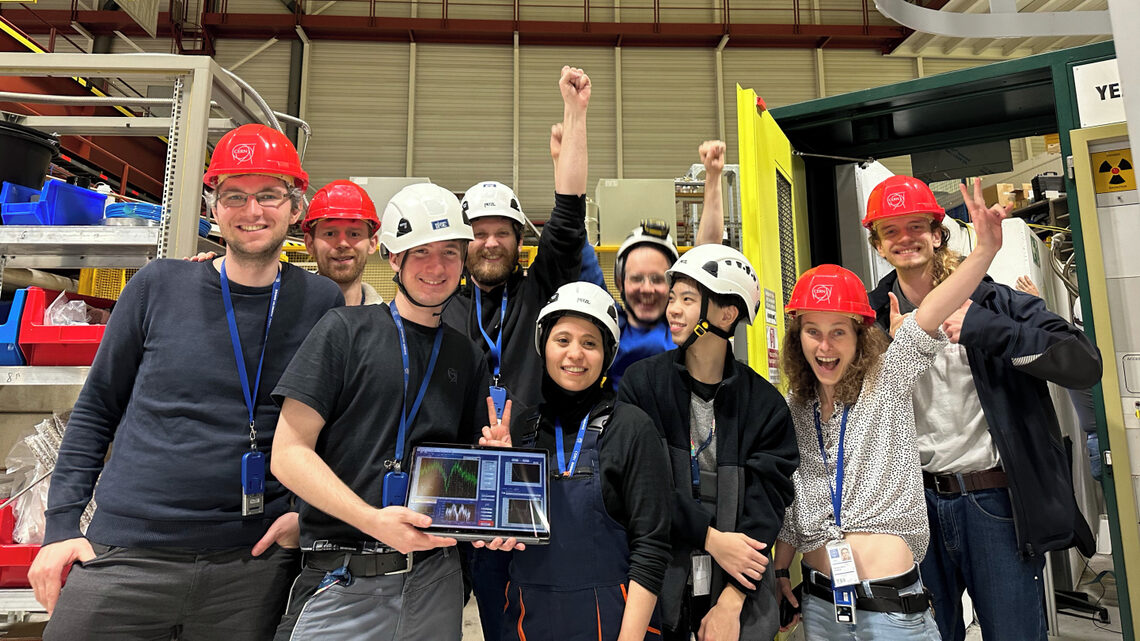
x=859, y=516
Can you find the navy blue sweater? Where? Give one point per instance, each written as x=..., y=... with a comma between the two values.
x=164, y=389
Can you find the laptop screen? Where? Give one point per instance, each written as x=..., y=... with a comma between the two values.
x=478, y=493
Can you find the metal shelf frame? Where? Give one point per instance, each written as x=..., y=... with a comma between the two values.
x=200, y=87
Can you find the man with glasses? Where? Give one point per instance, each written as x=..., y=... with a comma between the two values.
x=192, y=538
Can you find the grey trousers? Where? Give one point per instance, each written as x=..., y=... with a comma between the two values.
x=151, y=594
x=425, y=604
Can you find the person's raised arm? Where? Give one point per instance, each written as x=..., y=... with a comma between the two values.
x=711, y=228
x=953, y=292
x=572, y=161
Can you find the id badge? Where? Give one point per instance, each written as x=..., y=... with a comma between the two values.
x=843, y=572
x=395, y=488
x=499, y=398
x=702, y=573
x=844, y=604
x=252, y=483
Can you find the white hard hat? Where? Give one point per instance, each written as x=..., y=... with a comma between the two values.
x=584, y=299
x=492, y=199
x=649, y=232
x=420, y=214
x=721, y=270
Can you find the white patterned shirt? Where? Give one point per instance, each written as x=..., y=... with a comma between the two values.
x=882, y=485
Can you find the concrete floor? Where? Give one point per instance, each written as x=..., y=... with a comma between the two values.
x=1069, y=628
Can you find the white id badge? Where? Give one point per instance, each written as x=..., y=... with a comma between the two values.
x=702, y=573
x=843, y=572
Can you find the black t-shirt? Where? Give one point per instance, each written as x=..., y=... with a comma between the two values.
x=350, y=371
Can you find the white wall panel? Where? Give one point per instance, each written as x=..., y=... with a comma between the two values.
x=669, y=108
x=779, y=76
x=935, y=66
x=463, y=119
x=848, y=70
x=359, y=117
x=540, y=106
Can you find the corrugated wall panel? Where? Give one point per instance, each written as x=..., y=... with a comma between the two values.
x=267, y=72
x=935, y=66
x=669, y=108
x=463, y=127
x=381, y=8
x=779, y=76
x=257, y=6
x=850, y=12
x=767, y=12
x=361, y=129
x=689, y=11
x=540, y=105
x=852, y=69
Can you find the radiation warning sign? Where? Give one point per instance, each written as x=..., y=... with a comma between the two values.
x=1112, y=171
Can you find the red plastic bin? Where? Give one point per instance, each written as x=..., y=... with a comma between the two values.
x=14, y=563
x=58, y=344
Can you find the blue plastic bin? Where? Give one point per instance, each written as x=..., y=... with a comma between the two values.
x=18, y=205
x=58, y=204
x=10, y=353
x=70, y=205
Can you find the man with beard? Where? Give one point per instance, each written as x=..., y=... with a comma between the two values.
x=498, y=306
x=341, y=230
x=998, y=488
x=190, y=539
x=640, y=265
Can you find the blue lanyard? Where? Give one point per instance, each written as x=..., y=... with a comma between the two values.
x=407, y=418
x=837, y=488
x=695, y=451
x=496, y=346
x=562, y=469
x=239, y=356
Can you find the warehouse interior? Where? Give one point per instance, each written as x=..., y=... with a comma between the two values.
x=816, y=100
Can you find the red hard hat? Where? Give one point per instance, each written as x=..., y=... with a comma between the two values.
x=830, y=288
x=341, y=200
x=901, y=196
x=255, y=149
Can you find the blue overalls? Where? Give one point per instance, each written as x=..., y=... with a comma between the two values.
x=573, y=589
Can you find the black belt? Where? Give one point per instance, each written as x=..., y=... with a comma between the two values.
x=884, y=596
x=991, y=479
x=367, y=565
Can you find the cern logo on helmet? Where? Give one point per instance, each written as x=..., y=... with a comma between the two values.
x=821, y=293
x=897, y=200
x=440, y=224
x=243, y=153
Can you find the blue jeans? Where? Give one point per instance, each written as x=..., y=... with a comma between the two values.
x=973, y=547
x=819, y=622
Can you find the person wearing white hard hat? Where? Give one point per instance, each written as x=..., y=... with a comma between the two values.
x=609, y=505
x=732, y=451
x=338, y=448
x=499, y=304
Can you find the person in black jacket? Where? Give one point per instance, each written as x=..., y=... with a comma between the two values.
x=732, y=452
x=998, y=488
x=498, y=305
x=609, y=502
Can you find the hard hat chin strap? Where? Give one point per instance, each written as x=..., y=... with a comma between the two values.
x=704, y=326
x=412, y=299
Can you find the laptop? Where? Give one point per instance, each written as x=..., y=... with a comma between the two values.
x=477, y=493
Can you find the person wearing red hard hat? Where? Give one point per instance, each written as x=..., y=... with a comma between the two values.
x=859, y=488
x=192, y=537
x=998, y=488
x=341, y=230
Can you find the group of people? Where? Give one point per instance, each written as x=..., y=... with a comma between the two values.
x=255, y=486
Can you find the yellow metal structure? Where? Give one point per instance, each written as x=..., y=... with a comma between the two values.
x=104, y=283
x=1089, y=178
x=774, y=225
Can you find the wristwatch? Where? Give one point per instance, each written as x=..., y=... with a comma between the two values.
x=783, y=574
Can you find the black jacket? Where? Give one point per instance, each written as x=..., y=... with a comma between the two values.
x=756, y=455
x=1014, y=345
x=557, y=262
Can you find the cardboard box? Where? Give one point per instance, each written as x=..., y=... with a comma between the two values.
x=1006, y=193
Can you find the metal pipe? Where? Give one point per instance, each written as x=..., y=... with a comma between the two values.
x=257, y=99
x=112, y=101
